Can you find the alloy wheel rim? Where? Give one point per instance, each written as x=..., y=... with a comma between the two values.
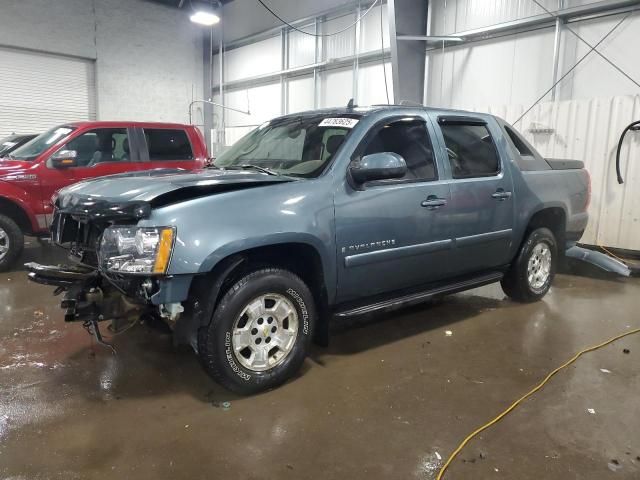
x=265, y=332
x=4, y=243
x=539, y=266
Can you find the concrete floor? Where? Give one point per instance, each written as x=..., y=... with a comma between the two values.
x=390, y=398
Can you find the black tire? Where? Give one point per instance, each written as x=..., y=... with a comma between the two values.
x=516, y=282
x=13, y=238
x=215, y=348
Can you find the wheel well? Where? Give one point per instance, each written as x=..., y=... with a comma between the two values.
x=555, y=220
x=299, y=258
x=15, y=213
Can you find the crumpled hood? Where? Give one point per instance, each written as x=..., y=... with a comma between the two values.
x=164, y=186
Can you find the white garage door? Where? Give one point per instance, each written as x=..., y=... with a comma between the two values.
x=39, y=91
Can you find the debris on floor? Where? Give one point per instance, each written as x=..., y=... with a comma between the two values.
x=448, y=333
x=614, y=465
x=591, y=411
x=604, y=370
x=626, y=350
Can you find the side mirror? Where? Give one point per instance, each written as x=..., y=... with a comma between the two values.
x=378, y=166
x=64, y=159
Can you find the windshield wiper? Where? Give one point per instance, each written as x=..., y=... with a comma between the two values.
x=249, y=166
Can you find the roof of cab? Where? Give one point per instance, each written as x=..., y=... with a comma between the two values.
x=368, y=110
x=126, y=123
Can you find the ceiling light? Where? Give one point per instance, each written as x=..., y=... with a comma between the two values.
x=203, y=17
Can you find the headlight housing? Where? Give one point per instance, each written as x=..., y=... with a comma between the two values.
x=137, y=250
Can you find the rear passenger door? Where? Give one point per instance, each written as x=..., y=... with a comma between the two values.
x=166, y=148
x=482, y=203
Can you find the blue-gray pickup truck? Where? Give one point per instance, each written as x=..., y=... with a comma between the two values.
x=313, y=216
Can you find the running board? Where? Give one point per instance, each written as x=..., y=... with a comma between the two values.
x=419, y=297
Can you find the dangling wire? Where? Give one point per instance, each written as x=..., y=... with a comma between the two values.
x=384, y=67
x=318, y=34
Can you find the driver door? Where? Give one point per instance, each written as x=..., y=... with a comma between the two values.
x=394, y=234
x=103, y=151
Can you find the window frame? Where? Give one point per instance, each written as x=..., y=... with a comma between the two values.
x=449, y=120
x=374, y=130
x=133, y=153
x=144, y=147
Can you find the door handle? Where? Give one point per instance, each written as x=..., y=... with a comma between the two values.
x=432, y=202
x=501, y=195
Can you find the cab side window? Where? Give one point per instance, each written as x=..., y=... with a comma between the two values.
x=99, y=146
x=471, y=150
x=168, y=144
x=410, y=140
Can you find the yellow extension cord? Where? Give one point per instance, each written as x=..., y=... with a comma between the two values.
x=525, y=396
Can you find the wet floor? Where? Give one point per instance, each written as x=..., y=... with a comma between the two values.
x=390, y=398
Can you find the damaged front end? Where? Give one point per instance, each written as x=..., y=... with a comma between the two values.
x=119, y=270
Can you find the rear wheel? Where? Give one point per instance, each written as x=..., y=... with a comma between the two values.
x=260, y=331
x=529, y=277
x=11, y=242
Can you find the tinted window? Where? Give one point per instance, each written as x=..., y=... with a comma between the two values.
x=167, y=144
x=410, y=140
x=99, y=146
x=470, y=150
x=518, y=142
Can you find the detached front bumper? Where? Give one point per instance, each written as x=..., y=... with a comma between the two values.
x=66, y=276
x=88, y=296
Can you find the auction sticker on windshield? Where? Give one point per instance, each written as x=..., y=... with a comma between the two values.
x=339, y=122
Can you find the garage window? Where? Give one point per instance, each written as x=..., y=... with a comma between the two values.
x=167, y=144
x=471, y=150
x=410, y=140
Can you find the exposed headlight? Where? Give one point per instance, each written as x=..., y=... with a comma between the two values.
x=136, y=250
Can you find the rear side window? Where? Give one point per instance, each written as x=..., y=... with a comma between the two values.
x=167, y=144
x=471, y=150
x=518, y=142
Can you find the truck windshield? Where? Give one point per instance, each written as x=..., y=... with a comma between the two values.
x=31, y=150
x=296, y=146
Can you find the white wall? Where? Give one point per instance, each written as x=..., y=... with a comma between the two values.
x=506, y=75
x=246, y=17
x=517, y=69
x=588, y=130
x=148, y=57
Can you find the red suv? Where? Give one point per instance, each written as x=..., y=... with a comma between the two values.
x=66, y=154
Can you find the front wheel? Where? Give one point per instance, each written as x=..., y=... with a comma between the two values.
x=529, y=277
x=11, y=242
x=259, y=333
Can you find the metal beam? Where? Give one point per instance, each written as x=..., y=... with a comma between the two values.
x=431, y=38
x=346, y=8
x=207, y=83
x=304, y=70
x=571, y=14
x=407, y=18
x=556, y=57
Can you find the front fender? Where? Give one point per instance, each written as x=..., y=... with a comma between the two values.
x=21, y=199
